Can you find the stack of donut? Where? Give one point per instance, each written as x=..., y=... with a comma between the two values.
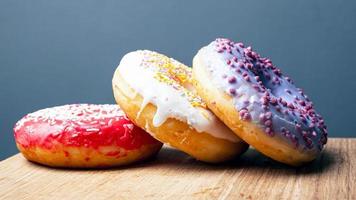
x=230, y=99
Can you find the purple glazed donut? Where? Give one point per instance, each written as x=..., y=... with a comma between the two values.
x=260, y=104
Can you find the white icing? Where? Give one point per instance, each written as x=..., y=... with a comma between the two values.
x=169, y=101
x=217, y=64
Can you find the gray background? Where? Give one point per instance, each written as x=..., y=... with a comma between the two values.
x=59, y=52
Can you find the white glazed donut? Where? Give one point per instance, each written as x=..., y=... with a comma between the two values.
x=157, y=94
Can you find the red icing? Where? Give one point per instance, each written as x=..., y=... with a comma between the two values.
x=80, y=125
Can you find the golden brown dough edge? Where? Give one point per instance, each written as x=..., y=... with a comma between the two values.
x=81, y=157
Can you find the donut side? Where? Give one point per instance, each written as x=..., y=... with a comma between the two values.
x=80, y=157
x=223, y=107
x=176, y=133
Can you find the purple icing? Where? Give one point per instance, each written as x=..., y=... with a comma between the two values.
x=275, y=103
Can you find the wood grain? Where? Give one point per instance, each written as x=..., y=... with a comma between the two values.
x=174, y=175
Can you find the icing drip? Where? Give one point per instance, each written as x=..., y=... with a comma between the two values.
x=165, y=82
x=263, y=95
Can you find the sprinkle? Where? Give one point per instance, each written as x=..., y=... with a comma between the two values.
x=273, y=101
x=268, y=115
x=249, y=66
x=264, y=100
x=298, y=126
x=268, y=130
x=240, y=64
x=268, y=122
x=290, y=105
x=232, y=79
x=314, y=134
x=232, y=91
x=256, y=87
x=240, y=44
x=92, y=129
x=262, y=117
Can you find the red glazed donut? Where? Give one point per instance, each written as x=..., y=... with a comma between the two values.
x=83, y=136
x=260, y=104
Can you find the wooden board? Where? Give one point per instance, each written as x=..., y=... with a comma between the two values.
x=173, y=175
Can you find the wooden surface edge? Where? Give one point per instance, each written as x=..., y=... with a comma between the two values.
x=174, y=175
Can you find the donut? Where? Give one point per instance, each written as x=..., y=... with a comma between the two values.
x=83, y=136
x=260, y=104
x=157, y=94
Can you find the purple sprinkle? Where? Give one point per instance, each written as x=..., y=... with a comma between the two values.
x=284, y=103
x=298, y=127
x=232, y=79
x=246, y=116
x=304, y=133
x=240, y=64
x=268, y=123
x=256, y=87
x=268, y=115
x=262, y=117
x=268, y=130
x=314, y=133
x=264, y=100
x=290, y=105
x=232, y=91
x=247, y=78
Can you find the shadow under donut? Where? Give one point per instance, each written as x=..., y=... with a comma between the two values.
x=251, y=160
